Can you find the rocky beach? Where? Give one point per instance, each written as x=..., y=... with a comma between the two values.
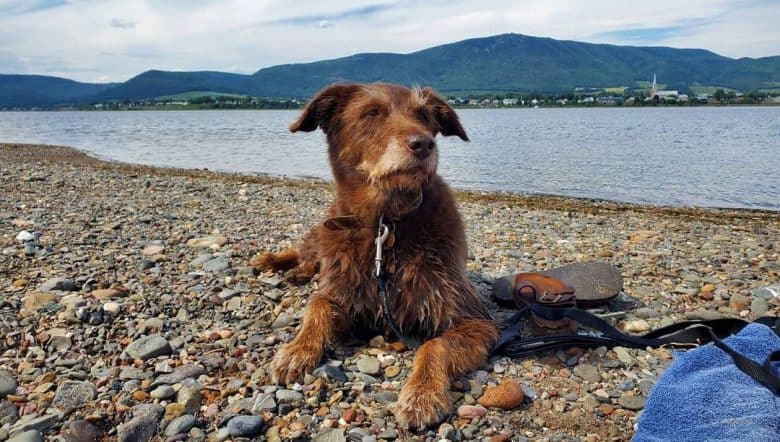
x=128, y=310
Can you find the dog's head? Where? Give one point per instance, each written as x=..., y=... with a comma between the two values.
x=381, y=134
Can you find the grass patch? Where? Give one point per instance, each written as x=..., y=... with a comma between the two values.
x=192, y=95
x=615, y=90
x=704, y=89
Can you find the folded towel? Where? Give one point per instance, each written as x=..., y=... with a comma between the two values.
x=703, y=396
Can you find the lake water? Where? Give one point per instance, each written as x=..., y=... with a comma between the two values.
x=710, y=157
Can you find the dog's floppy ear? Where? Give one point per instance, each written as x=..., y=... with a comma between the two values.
x=446, y=118
x=323, y=108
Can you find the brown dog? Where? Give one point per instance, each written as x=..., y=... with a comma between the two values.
x=382, y=149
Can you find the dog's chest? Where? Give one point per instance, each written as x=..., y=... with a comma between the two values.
x=410, y=267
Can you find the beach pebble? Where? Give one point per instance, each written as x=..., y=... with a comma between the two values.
x=636, y=326
x=205, y=242
x=27, y=436
x=73, y=394
x=507, y=395
x=36, y=301
x=624, y=356
x=181, y=424
x=264, y=403
x=148, y=347
x=83, y=431
x=7, y=383
x=738, y=302
x=104, y=294
x=283, y=320
x=392, y=371
x=331, y=435
x=768, y=292
x=632, y=402
x=471, y=411
x=153, y=249
x=25, y=236
x=284, y=396
x=759, y=307
x=142, y=426
x=179, y=374
x=163, y=392
x=112, y=308
x=217, y=265
x=59, y=284
x=369, y=366
x=330, y=372
x=587, y=372
x=189, y=397
x=245, y=426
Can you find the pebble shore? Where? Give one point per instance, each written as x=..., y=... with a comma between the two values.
x=128, y=310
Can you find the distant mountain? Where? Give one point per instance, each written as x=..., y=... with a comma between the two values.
x=151, y=84
x=39, y=90
x=509, y=62
x=514, y=62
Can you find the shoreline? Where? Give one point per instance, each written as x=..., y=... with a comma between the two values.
x=48, y=152
x=136, y=312
x=572, y=106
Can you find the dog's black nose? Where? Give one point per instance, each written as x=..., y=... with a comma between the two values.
x=422, y=145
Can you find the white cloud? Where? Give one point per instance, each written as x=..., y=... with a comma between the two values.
x=116, y=39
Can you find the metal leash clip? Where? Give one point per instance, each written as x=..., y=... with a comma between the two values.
x=381, y=236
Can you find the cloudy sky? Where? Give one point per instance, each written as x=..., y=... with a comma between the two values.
x=112, y=40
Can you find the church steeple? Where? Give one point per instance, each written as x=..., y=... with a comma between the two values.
x=653, y=89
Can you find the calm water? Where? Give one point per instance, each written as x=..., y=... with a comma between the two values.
x=713, y=157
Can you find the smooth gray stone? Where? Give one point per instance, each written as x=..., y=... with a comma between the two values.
x=181, y=424
x=27, y=436
x=245, y=426
x=7, y=383
x=179, y=374
x=149, y=347
x=62, y=284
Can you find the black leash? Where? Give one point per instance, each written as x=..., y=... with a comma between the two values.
x=389, y=316
x=683, y=334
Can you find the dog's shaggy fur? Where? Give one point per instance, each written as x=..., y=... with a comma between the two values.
x=381, y=145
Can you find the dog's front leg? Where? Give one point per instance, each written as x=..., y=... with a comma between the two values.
x=303, y=353
x=425, y=398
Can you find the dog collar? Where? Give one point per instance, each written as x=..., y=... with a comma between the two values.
x=353, y=222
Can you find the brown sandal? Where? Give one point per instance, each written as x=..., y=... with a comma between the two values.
x=585, y=285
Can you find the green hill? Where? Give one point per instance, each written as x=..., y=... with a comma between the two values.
x=514, y=62
x=155, y=83
x=509, y=62
x=39, y=90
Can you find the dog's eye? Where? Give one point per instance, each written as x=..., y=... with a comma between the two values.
x=371, y=113
x=423, y=116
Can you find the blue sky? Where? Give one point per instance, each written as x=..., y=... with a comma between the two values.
x=112, y=40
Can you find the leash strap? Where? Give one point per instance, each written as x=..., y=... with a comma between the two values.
x=382, y=233
x=684, y=334
x=389, y=316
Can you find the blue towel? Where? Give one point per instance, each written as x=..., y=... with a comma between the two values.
x=703, y=396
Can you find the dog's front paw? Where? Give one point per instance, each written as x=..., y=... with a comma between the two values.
x=293, y=361
x=419, y=407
